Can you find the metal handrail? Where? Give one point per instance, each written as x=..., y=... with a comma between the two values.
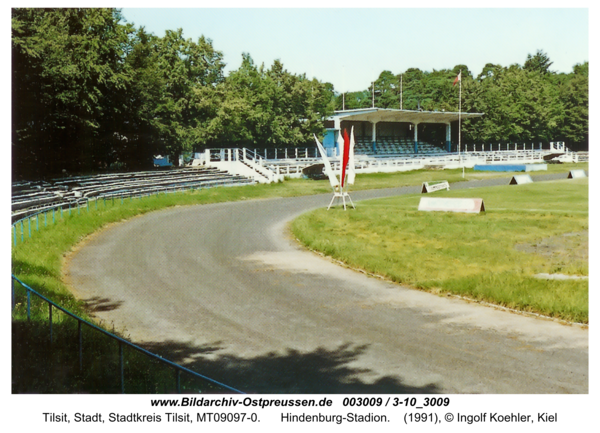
x=178, y=368
x=52, y=304
x=129, y=190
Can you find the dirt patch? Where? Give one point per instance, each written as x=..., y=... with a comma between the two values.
x=568, y=247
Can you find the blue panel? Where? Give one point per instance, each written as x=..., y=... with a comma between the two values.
x=501, y=167
x=329, y=138
x=329, y=142
x=163, y=162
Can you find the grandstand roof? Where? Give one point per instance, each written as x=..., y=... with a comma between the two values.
x=395, y=115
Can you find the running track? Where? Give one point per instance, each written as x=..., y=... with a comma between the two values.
x=225, y=290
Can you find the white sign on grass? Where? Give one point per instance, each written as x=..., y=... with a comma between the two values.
x=446, y=204
x=520, y=179
x=435, y=187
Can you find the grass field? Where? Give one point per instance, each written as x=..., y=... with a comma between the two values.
x=538, y=228
x=38, y=261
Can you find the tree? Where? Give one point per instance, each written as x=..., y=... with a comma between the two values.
x=540, y=62
x=188, y=72
x=65, y=61
x=136, y=133
x=574, y=94
x=519, y=105
x=413, y=88
x=355, y=100
x=269, y=107
x=387, y=90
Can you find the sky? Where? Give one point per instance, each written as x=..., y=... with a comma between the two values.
x=350, y=47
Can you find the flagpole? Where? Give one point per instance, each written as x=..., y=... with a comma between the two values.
x=373, y=93
x=401, y=91
x=459, y=121
x=344, y=88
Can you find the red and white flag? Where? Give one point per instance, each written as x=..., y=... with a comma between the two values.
x=457, y=79
x=345, y=157
x=327, y=165
x=351, y=171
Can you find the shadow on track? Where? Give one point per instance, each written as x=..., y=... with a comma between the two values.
x=293, y=372
x=43, y=367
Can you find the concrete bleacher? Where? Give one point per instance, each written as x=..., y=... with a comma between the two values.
x=393, y=146
x=30, y=197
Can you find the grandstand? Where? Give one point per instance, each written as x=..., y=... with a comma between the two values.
x=394, y=146
x=390, y=155
x=32, y=197
x=386, y=140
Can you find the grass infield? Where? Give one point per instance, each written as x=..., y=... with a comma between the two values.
x=527, y=230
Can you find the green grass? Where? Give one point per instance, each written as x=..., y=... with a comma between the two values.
x=38, y=261
x=477, y=256
x=417, y=177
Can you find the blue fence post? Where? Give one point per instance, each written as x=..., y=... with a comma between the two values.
x=121, y=368
x=50, y=319
x=37, y=222
x=45, y=219
x=22, y=232
x=29, y=226
x=28, y=304
x=120, y=341
x=80, y=335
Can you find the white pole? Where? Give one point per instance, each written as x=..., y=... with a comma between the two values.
x=459, y=118
x=373, y=93
x=401, y=92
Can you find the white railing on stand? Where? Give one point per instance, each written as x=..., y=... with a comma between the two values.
x=257, y=164
x=242, y=162
x=245, y=162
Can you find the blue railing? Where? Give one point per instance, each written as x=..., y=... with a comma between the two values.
x=51, y=215
x=121, y=342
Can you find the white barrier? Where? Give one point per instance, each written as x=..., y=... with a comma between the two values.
x=520, y=179
x=576, y=174
x=446, y=204
x=427, y=187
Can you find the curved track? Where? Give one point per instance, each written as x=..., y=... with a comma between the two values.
x=224, y=289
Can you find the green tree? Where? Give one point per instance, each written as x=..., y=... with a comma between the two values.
x=136, y=132
x=413, y=88
x=188, y=71
x=574, y=94
x=360, y=99
x=269, y=107
x=519, y=105
x=64, y=63
x=387, y=90
x=539, y=62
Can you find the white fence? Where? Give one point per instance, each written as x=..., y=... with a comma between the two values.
x=246, y=162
